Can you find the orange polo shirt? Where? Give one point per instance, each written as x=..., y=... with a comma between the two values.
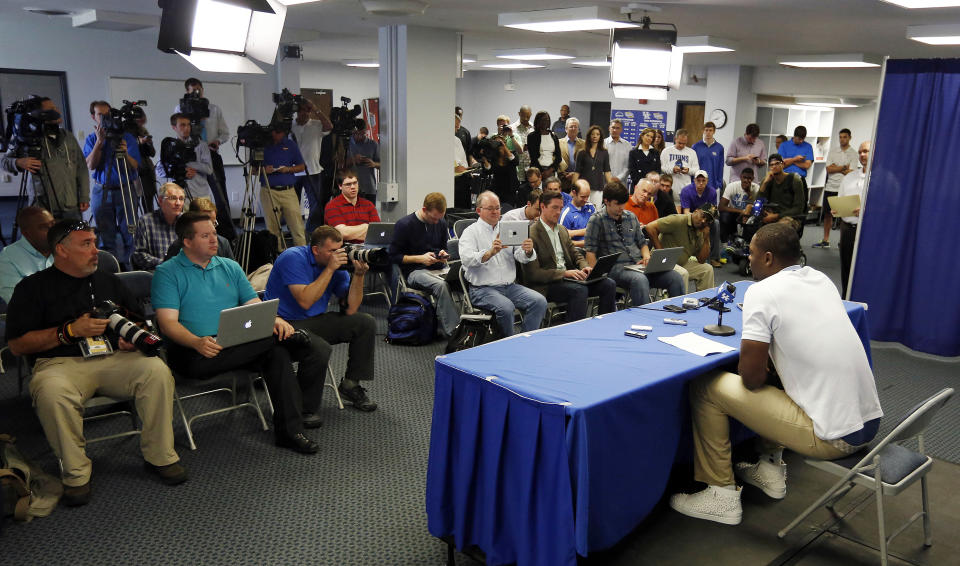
x=646, y=212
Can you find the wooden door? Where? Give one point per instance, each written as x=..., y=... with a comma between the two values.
x=690, y=117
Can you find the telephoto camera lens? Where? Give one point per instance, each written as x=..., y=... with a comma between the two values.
x=145, y=341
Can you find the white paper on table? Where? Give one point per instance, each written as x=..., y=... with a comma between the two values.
x=696, y=344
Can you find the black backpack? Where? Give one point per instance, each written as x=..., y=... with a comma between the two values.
x=411, y=320
x=473, y=330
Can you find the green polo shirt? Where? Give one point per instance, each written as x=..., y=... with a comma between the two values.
x=677, y=231
x=200, y=293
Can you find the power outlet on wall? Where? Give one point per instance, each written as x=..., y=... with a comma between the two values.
x=510, y=87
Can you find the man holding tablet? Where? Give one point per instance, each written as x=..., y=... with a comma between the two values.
x=188, y=293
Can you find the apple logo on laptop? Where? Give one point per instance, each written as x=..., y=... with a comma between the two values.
x=663, y=260
x=248, y=324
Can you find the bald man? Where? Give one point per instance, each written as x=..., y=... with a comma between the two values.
x=30, y=253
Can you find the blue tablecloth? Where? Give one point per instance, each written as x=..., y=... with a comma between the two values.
x=559, y=442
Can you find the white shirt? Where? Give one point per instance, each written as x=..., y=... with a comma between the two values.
x=738, y=198
x=499, y=269
x=619, y=152
x=816, y=350
x=546, y=150
x=840, y=157
x=459, y=156
x=198, y=186
x=687, y=158
x=515, y=215
x=554, y=235
x=309, y=136
x=852, y=185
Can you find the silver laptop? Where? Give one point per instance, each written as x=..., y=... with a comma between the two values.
x=247, y=323
x=600, y=270
x=379, y=234
x=660, y=260
x=513, y=233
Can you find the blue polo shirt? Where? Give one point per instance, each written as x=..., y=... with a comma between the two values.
x=283, y=154
x=790, y=149
x=574, y=218
x=297, y=266
x=107, y=176
x=710, y=158
x=200, y=293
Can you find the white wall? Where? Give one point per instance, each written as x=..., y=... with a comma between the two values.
x=352, y=82
x=818, y=82
x=859, y=121
x=483, y=98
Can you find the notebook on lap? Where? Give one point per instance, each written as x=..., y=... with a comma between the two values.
x=247, y=323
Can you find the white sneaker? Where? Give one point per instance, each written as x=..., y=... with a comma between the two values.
x=771, y=478
x=713, y=504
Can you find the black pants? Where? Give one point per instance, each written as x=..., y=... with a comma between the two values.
x=848, y=235
x=291, y=394
x=575, y=295
x=221, y=198
x=358, y=329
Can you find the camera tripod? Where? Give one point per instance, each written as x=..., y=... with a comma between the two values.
x=46, y=184
x=130, y=201
x=247, y=210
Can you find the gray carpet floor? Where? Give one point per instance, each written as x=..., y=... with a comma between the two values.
x=360, y=501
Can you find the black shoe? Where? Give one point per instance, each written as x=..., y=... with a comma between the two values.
x=311, y=420
x=357, y=396
x=171, y=474
x=75, y=496
x=298, y=443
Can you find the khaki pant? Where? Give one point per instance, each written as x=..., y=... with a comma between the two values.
x=60, y=387
x=700, y=273
x=288, y=207
x=768, y=411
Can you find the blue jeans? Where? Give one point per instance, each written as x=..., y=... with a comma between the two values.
x=311, y=184
x=638, y=284
x=112, y=222
x=502, y=299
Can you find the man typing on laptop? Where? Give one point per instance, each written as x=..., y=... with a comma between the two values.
x=559, y=271
x=617, y=231
x=191, y=289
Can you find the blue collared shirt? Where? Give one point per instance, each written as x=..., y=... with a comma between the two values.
x=107, y=176
x=790, y=149
x=17, y=261
x=574, y=218
x=283, y=154
x=200, y=293
x=297, y=266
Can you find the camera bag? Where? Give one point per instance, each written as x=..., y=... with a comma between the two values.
x=411, y=320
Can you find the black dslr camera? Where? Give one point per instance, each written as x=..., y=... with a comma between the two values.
x=145, y=341
x=287, y=105
x=27, y=123
x=123, y=120
x=174, y=155
x=377, y=258
x=345, y=119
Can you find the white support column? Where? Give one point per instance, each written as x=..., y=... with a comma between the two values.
x=417, y=98
x=730, y=88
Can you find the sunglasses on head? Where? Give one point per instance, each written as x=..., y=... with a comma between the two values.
x=79, y=226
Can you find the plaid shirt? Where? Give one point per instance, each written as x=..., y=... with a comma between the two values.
x=339, y=211
x=151, y=241
x=606, y=236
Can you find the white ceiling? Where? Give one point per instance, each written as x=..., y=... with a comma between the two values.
x=332, y=30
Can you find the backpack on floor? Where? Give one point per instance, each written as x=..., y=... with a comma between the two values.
x=25, y=490
x=473, y=330
x=412, y=320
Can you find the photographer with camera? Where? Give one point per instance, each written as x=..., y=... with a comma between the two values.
x=52, y=157
x=188, y=293
x=281, y=159
x=348, y=212
x=213, y=128
x=155, y=230
x=110, y=196
x=305, y=279
x=190, y=160
x=309, y=129
x=75, y=356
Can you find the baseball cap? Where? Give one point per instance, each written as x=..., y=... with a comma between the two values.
x=709, y=210
x=701, y=173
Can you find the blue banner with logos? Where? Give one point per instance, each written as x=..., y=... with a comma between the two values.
x=634, y=121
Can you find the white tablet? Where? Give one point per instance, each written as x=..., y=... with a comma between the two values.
x=514, y=233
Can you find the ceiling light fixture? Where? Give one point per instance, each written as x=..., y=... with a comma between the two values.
x=564, y=19
x=830, y=61
x=644, y=63
x=595, y=63
x=362, y=63
x=703, y=44
x=938, y=34
x=513, y=66
x=828, y=102
x=534, y=54
x=468, y=58
x=913, y=4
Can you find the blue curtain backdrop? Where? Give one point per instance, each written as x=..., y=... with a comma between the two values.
x=907, y=262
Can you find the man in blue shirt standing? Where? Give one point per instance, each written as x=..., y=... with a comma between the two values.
x=710, y=156
x=113, y=208
x=281, y=161
x=797, y=154
x=305, y=279
x=188, y=293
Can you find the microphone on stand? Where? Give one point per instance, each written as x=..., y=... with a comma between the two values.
x=726, y=292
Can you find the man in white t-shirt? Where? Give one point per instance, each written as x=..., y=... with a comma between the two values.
x=852, y=185
x=734, y=202
x=619, y=151
x=680, y=161
x=828, y=407
x=840, y=162
x=308, y=129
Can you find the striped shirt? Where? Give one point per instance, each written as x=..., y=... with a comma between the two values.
x=151, y=241
x=340, y=211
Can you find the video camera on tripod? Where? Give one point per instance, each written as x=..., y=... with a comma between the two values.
x=287, y=105
x=27, y=123
x=345, y=119
x=195, y=107
x=123, y=120
x=174, y=155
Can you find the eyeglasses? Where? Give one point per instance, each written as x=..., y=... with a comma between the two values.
x=772, y=163
x=175, y=199
x=350, y=183
x=79, y=226
x=490, y=208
